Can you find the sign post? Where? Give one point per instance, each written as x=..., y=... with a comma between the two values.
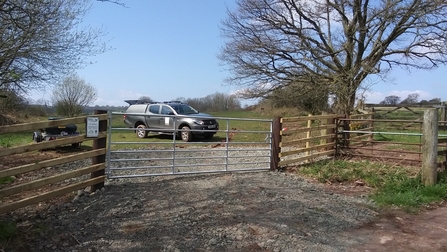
x=92, y=126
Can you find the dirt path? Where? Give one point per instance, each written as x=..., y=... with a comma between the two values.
x=399, y=231
x=396, y=230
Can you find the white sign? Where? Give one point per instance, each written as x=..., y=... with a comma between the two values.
x=92, y=126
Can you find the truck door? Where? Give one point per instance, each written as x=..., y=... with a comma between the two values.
x=167, y=121
x=153, y=117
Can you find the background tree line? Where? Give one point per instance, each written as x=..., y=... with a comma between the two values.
x=213, y=102
x=412, y=98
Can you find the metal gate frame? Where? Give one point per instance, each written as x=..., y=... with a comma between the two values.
x=182, y=158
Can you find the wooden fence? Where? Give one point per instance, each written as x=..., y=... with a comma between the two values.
x=404, y=111
x=382, y=139
x=19, y=194
x=296, y=140
x=304, y=139
x=387, y=140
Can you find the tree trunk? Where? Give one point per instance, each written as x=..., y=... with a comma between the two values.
x=345, y=98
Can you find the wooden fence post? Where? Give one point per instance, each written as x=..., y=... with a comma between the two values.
x=99, y=143
x=308, y=135
x=430, y=147
x=443, y=112
x=323, y=132
x=276, y=140
x=331, y=121
x=371, y=126
x=338, y=139
x=346, y=135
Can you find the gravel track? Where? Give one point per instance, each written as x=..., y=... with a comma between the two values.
x=251, y=211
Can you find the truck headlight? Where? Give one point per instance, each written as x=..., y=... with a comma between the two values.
x=199, y=122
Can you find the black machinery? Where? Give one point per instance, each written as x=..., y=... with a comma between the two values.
x=52, y=133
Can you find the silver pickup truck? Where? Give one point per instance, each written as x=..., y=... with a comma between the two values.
x=171, y=117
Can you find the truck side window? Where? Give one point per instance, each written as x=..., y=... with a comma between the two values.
x=154, y=109
x=165, y=110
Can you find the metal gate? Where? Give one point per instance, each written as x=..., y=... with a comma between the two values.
x=240, y=144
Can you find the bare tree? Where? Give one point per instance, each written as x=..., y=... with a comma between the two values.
x=215, y=102
x=114, y=2
x=304, y=97
x=412, y=98
x=391, y=100
x=146, y=99
x=44, y=40
x=336, y=43
x=10, y=102
x=435, y=101
x=72, y=95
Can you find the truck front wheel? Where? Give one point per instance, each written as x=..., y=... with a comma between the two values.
x=186, y=134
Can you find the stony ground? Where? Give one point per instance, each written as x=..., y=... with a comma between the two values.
x=261, y=211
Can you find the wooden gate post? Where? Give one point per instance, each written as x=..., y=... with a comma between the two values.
x=346, y=135
x=276, y=140
x=332, y=131
x=443, y=112
x=324, y=132
x=99, y=143
x=430, y=147
x=308, y=135
x=371, y=126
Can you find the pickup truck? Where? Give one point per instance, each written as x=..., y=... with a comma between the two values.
x=172, y=117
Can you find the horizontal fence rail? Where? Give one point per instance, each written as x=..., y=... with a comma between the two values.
x=307, y=139
x=43, y=179
x=382, y=139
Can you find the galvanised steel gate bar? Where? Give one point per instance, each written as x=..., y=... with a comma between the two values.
x=233, y=149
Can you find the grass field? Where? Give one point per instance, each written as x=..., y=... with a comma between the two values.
x=231, y=123
x=408, y=132
x=23, y=138
x=227, y=126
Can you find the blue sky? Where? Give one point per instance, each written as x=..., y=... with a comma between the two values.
x=166, y=49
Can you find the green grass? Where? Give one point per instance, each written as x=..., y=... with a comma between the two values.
x=230, y=127
x=7, y=231
x=399, y=114
x=6, y=180
x=408, y=132
x=392, y=185
x=13, y=237
x=239, y=114
x=15, y=139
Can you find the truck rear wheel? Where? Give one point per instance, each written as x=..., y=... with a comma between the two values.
x=141, y=131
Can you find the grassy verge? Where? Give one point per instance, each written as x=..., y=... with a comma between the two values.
x=6, y=180
x=15, y=139
x=7, y=231
x=394, y=186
